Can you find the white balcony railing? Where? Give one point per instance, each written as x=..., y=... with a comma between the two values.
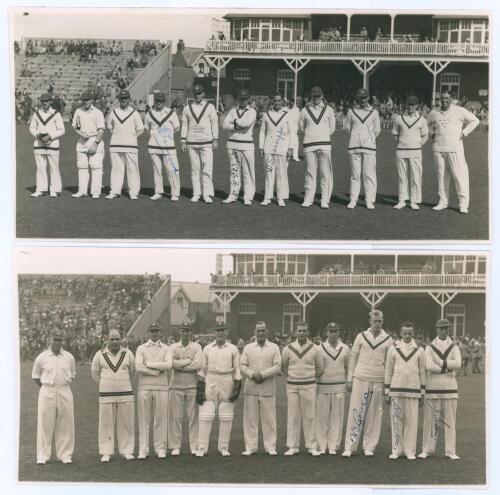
x=468, y=280
x=349, y=48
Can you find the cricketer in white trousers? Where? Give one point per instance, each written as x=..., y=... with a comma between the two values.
x=404, y=425
x=322, y=159
x=409, y=174
x=121, y=161
x=169, y=162
x=42, y=181
x=55, y=405
x=439, y=415
x=365, y=415
x=242, y=163
x=180, y=400
x=121, y=415
x=84, y=161
x=202, y=164
x=452, y=164
x=330, y=419
x=276, y=168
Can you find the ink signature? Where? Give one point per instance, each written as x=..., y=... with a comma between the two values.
x=360, y=416
x=437, y=421
x=397, y=417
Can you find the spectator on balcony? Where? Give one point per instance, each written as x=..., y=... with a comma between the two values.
x=336, y=34
x=378, y=35
x=363, y=33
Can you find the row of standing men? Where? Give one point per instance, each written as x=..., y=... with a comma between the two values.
x=278, y=143
x=205, y=383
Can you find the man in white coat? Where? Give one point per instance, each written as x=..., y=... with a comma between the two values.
x=240, y=121
x=53, y=372
x=152, y=361
x=277, y=139
x=47, y=126
x=260, y=362
x=448, y=126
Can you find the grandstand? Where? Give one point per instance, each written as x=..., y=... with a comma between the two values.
x=283, y=289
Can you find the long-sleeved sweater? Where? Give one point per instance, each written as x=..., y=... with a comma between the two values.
x=446, y=127
x=162, y=125
x=412, y=133
x=405, y=371
x=278, y=133
x=302, y=365
x=113, y=372
x=241, y=122
x=50, y=123
x=186, y=362
x=318, y=124
x=363, y=125
x=150, y=358
x=200, y=124
x=125, y=126
x=368, y=355
x=336, y=361
x=442, y=358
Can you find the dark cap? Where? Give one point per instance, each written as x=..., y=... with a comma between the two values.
x=123, y=94
x=316, y=91
x=198, y=89
x=220, y=328
x=57, y=333
x=362, y=93
x=443, y=322
x=243, y=94
x=412, y=100
x=159, y=96
x=186, y=326
x=332, y=327
x=155, y=327
x=87, y=95
x=46, y=97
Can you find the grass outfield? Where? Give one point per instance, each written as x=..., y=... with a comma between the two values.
x=121, y=218
x=260, y=468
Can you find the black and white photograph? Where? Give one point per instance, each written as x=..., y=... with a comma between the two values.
x=234, y=124
x=255, y=367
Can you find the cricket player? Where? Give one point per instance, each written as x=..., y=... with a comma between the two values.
x=317, y=123
x=302, y=364
x=219, y=386
x=200, y=136
x=240, y=122
x=162, y=123
x=53, y=371
x=186, y=359
x=152, y=361
x=411, y=132
x=126, y=126
x=260, y=363
x=294, y=115
x=277, y=138
x=448, y=126
x=363, y=125
x=112, y=368
x=442, y=360
x=88, y=123
x=330, y=397
x=365, y=378
x=404, y=388
x=46, y=126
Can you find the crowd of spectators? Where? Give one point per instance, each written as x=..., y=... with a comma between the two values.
x=85, y=307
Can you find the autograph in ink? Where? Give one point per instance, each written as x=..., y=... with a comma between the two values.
x=437, y=421
x=360, y=416
x=396, y=417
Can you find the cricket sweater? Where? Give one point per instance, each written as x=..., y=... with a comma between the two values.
x=405, y=371
x=157, y=355
x=125, y=125
x=200, y=124
x=240, y=121
x=318, y=124
x=161, y=125
x=302, y=365
x=336, y=361
x=186, y=364
x=50, y=123
x=363, y=125
x=412, y=132
x=277, y=133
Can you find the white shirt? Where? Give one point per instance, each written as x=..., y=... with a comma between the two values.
x=54, y=370
x=162, y=125
x=200, y=124
x=90, y=122
x=244, y=119
x=125, y=125
x=157, y=355
x=224, y=360
x=186, y=362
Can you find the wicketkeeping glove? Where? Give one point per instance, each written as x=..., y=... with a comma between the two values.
x=200, y=393
x=236, y=391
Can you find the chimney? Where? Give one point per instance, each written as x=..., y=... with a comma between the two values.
x=180, y=46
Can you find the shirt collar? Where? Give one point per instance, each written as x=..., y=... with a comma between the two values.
x=122, y=349
x=150, y=343
x=223, y=345
x=266, y=343
x=411, y=345
x=52, y=353
x=380, y=335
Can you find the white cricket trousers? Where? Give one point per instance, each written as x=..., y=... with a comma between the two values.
x=242, y=162
x=452, y=164
x=180, y=400
x=42, y=181
x=121, y=161
x=218, y=389
x=152, y=403
x=276, y=171
x=329, y=420
x=364, y=415
x=323, y=160
x=259, y=408
x=121, y=416
x=301, y=406
x=439, y=415
x=171, y=165
x=363, y=165
x=404, y=425
x=409, y=176
x=84, y=161
x=55, y=418
x=202, y=164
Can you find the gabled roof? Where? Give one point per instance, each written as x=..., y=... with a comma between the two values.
x=177, y=315
x=194, y=291
x=186, y=57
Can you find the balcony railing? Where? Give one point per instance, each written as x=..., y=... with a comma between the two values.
x=468, y=280
x=349, y=48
